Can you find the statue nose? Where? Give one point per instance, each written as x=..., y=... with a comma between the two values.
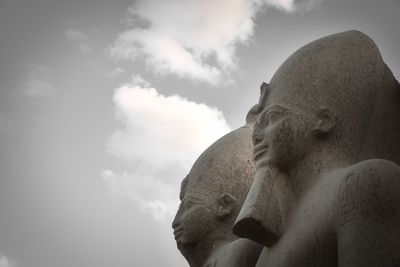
x=175, y=222
x=257, y=136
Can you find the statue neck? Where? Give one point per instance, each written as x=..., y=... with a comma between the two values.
x=199, y=253
x=304, y=173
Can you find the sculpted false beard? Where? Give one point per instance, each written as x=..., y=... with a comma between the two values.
x=267, y=207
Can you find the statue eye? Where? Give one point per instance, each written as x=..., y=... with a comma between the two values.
x=272, y=116
x=188, y=204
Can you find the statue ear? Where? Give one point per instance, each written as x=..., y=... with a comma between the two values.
x=326, y=122
x=226, y=202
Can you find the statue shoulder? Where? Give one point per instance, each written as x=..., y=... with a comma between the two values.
x=369, y=190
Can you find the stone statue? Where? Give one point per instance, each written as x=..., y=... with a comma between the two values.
x=211, y=197
x=327, y=147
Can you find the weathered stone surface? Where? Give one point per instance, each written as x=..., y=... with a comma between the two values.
x=239, y=253
x=326, y=146
x=211, y=197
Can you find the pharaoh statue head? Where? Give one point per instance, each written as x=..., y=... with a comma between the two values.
x=333, y=103
x=212, y=194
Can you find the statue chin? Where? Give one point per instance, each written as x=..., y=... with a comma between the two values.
x=264, y=162
x=266, y=208
x=185, y=249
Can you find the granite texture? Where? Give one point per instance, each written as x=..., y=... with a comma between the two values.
x=326, y=190
x=211, y=196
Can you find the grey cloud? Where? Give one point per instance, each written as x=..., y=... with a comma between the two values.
x=78, y=39
x=37, y=81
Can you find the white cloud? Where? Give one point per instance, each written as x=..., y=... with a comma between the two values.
x=156, y=124
x=161, y=137
x=7, y=262
x=193, y=39
x=137, y=80
x=37, y=80
x=78, y=39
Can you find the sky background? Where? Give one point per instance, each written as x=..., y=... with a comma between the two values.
x=105, y=105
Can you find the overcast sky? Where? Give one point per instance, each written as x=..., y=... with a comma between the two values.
x=105, y=105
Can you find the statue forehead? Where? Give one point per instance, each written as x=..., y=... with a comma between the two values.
x=222, y=161
x=292, y=99
x=205, y=176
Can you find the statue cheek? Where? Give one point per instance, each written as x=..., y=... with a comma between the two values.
x=283, y=142
x=197, y=221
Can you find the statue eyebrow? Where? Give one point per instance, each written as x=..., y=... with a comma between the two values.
x=183, y=187
x=290, y=105
x=191, y=197
x=275, y=108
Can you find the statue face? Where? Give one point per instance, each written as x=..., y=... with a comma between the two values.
x=196, y=216
x=211, y=195
x=282, y=134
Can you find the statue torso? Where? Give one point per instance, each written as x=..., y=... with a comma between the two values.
x=310, y=239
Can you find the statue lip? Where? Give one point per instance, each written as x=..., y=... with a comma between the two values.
x=177, y=232
x=259, y=150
